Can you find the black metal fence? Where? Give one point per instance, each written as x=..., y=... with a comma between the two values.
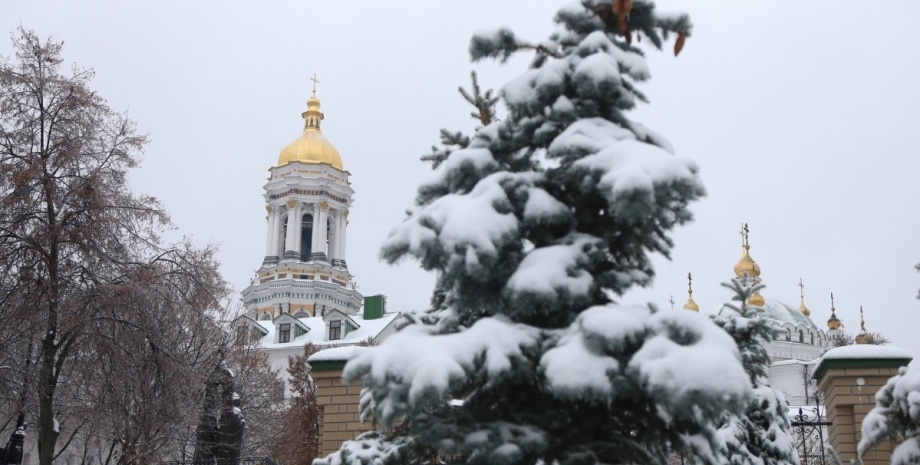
x=809, y=432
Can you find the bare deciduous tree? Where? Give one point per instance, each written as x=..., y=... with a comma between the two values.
x=298, y=443
x=105, y=325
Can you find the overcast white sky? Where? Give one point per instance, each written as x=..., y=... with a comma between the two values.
x=804, y=117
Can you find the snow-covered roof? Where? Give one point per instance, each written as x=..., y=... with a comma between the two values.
x=317, y=334
x=862, y=353
x=866, y=351
x=783, y=313
x=336, y=354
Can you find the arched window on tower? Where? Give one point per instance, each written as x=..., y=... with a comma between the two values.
x=801, y=336
x=788, y=334
x=812, y=338
x=306, y=237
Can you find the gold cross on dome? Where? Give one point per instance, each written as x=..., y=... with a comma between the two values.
x=671, y=300
x=801, y=288
x=315, y=82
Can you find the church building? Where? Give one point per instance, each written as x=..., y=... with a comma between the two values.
x=800, y=341
x=303, y=292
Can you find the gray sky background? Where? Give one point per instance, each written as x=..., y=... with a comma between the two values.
x=804, y=117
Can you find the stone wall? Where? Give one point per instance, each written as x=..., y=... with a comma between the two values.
x=849, y=378
x=338, y=402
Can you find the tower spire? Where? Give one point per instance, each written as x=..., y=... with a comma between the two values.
x=313, y=115
x=863, y=337
x=747, y=268
x=315, y=82
x=802, y=307
x=833, y=323
x=690, y=305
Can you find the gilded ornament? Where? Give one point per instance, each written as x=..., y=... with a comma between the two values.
x=291, y=203
x=324, y=206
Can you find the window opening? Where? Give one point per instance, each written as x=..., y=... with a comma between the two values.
x=284, y=332
x=335, y=330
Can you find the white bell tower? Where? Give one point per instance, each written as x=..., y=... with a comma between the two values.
x=307, y=197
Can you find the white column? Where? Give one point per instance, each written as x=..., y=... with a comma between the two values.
x=276, y=232
x=269, y=239
x=298, y=230
x=315, y=239
x=291, y=227
x=343, y=222
x=323, y=223
x=334, y=240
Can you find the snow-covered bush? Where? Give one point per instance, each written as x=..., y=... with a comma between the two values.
x=534, y=229
x=897, y=416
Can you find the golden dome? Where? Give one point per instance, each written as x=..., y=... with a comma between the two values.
x=802, y=308
x=833, y=322
x=311, y=147
x=863, y=337
x=756, y=300
x=746, y=265
x=690, y=305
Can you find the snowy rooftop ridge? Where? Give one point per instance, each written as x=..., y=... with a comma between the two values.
x=866, y=351
x=862, y=356
x=336, y=354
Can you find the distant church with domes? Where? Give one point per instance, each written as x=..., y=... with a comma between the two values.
x=303, y=292
x=800, y=341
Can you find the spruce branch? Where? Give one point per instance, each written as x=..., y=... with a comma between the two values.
x=484, y=102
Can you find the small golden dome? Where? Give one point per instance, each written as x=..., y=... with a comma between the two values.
x=690, y=305
x=756, y=300
x=311, y=147
x=802, y=308
x=863, y=337
x=833, y=322
x=747, y=265
x=805, y=311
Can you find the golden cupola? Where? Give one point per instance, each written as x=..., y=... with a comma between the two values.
x=802, y=308
x=746, y=266
x=833, y=322
x=311, y=147
x=690, y=305
x=863, y=337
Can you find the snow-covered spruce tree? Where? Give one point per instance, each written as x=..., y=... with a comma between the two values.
x=896, y=415
x=534, y=229
x=762, y=434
